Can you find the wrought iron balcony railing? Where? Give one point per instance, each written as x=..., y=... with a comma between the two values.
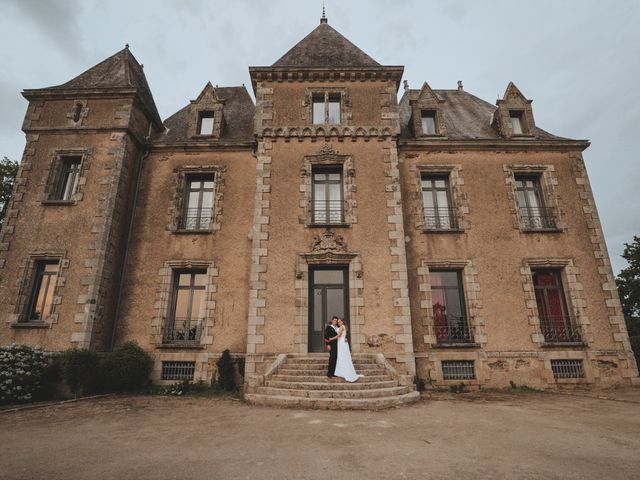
x=195, y=219
x=455, y=330
x=559, y=329
x=441, y=218
x=538, y=218
x=328, y=211
x=182, y=331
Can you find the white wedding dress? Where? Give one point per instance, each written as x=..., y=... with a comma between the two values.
x=344, y=364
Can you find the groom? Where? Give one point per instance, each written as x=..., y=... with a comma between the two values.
x=331, y=339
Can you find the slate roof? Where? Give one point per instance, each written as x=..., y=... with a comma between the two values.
x=325, y=47
x=238, y=117
x=120, y=70
x=466, y=116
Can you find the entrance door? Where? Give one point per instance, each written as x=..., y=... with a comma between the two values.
x=328, y=296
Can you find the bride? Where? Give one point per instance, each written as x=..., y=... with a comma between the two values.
x=344, y=364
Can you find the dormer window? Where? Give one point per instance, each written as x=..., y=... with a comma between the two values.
x=428, y=122
x=516, y=122
x=326, y=108
x=205, y=123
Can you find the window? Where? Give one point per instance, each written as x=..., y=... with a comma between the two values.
x=458, y=370
x=327, y=195
x=178, y=370
x=534, y=214
x=68, y=179
x=326, y=108
x=205, y=123
x=555, y=323
x=516, y=122
x=44, y=284
x=436, y=197
x=187, y=308
x=449, y=311
x=428, y=122
x=198, y=203
x=567, y=369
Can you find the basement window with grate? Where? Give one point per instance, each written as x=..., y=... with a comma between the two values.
x=567, y=369
x=458, y=370
x=178, y=370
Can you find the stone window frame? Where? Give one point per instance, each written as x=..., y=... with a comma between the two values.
x=26, y=284
x=206, y=103
x=551, y=198
x=459, y=199
x=327, y=157
x=428, y=101
x=351, y=260
x=346, y=111
x=176, y=208
x=572, y=289
x=52, y=179
x=162, y=305
x=472, y=298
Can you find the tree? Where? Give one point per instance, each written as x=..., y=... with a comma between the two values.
x=8, y=172
x=628, y=282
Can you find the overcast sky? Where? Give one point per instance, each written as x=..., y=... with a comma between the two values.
x=578, y=60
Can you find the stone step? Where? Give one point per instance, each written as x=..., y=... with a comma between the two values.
x=331, y=403
x=371, y=393
x=324, y=358
x=313, y=378
x=323, y=366
x=323, y=373
x=330, y=385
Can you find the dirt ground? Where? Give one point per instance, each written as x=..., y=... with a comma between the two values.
x=469, y=436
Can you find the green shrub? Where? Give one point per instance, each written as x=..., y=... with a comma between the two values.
x=21, y=370
x=127, y=368
x=635, y=345
x=419, y=383
x=226, y=372
x=49, y=379
x=80, y=370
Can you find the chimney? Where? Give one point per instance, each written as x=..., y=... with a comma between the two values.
x=406, y=85
x=460, y=85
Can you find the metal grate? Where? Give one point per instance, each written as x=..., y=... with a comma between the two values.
x=455, y=331
x=559, y=329
x=195, y=219
x=538, y=218
x=185, y=331
x=178, y=370
x=567, y=368
x=458, y=370
x=441, y=218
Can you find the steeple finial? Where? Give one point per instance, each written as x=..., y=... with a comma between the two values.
x=323, y=19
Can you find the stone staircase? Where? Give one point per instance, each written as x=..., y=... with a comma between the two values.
x=300, y=381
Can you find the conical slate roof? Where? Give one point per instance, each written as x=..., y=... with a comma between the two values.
x=120, y=70
x=325, y=47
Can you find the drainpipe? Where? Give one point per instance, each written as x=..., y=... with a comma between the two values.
x=126, y=251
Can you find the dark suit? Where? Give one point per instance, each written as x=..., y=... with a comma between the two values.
x=329, y=332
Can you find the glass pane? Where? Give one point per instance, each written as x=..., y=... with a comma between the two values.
x=335, y=302
x=197, y=304
x=427, y=197
x=207, y=184
x=334, y=176
x=443, y=201
x=522, y=202
x=428, y=124
x=318, y=111
x=516, y=125
x=184, y=279
x=318, y=321
x=444, y=278
x=441, y=183
x=206, y=125
x=427, y=183
x=200, y=279
x=194, y=184
x=334, y=191
x=452, y=303
x=207, y=201
x=533, y=199
x=323, y=277
x=51, y=267
x=320, y=177
x=182, y=303
x=334, y=111
x=192, y=202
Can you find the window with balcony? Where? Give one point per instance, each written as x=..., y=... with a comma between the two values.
x=327, y=202
x=326, y=108
x=449, y=311
x=187, y=309
x=533, y=212
x=436, y=198
x=42, y=293
x=555, y=323
x=428, y=119
x=198, y=204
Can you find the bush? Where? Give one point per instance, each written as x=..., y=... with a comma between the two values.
x=49, y=379
x=226, y=372
x=127, y=368
x=80, y=370
x=635, y=345
x=21, y=370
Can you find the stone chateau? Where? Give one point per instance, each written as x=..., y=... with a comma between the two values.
x=459, y=240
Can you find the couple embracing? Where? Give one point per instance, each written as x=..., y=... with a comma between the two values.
x=340, y=363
